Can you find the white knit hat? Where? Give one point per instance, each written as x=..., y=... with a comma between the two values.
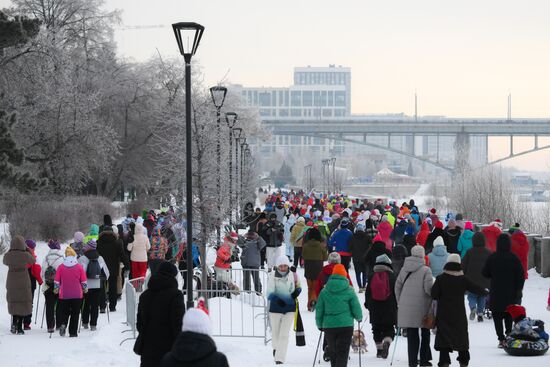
x=439, y=241
x=334, y=258
x=282, y=260
x=197, y=321
x=418, y=251
x=453, y=258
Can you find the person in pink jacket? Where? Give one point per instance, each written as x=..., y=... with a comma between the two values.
x=548, y=307
x=384, y=230
x=70, y=284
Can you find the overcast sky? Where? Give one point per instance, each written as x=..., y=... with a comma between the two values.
x=462, y=57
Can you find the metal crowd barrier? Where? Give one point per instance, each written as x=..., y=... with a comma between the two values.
x=242, y=315
x=235, y=277
x=131, y=306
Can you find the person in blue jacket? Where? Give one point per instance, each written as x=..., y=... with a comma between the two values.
x=339, y=242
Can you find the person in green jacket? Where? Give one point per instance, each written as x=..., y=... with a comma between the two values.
x=336, y=310
x=93, y=234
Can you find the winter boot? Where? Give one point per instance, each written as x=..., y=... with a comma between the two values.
x=26, y=326
x=13, y=328
x=20, y=326
x=84, y=326
x=386, y=347
x=62, y=330
x=51, y=330
x=378, y=350
x=326, y=355
x=93, y=328
x=473, y=314
x=479, y=318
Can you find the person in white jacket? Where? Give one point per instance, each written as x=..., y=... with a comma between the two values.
x=96, y=272
x=51, y=262
x=138, y=252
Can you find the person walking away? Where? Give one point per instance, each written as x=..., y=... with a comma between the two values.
x=158, y=250
x=337, y=309
x=378, y=248
x=252, y=245
x=340, y=240
x=93, y=234
x=34, y=271
x=438, y=231
x=438, y=257
x=96, y=271
x=110, y=249
x=138, y=251
x=78, y=243
x=409, y=239
x=520, y=248
x=360, y=244
x=273, y=234
x=454, y=232
x=54, y=258
x=465, y=240
x=18, y=283
x=282, y=290
x=262, y=220
x=413, y=294
x=159, y=316
x=422, y=235
x=491, y=233
x=451, y=323
x=504, y=270
x=314, y=253
x=70, y=284
x=472, y=265
x=194, y=346
x=296, y=239
x=382, y=305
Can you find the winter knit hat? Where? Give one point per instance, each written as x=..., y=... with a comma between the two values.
x=478, y=240
x=377, y=238
x=107, y=220
x=334, y=258
x=516, y=311
x=197, y=321
x=54, y=245
x=78, y=237
x=439, y=224
x=300, y=220
x=383, y=259
x=453, y=258
x=418, y=251
x=339, y=269
x=167, y=268
x=468, y=226
x=69, y=252
x=282, y=260
x=409, y=230
x=360, y=227
x=30, y=244
x=90, y=245
x=234, y=236
x=439, y=241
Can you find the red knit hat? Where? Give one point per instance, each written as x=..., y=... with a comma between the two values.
x=377, y=238
x=432, y=210
x=439, y=224
x=516, y=311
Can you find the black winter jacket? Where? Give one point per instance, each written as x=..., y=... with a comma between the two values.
x=359, y=246
x=437, y=232
x=506, y=274
x=194, y=350
x=383, y=313
x=377, y=249
x=473, y=264
x=160, y=315
x=110, y=248
x=454, y=235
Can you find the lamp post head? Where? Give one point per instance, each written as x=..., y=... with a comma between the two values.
x=188, y=36
x=237, y=131
x=218, y=94
x=231, y=119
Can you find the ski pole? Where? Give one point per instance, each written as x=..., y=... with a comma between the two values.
x=43, y=314
x=360, y=341
x=317, y=350
x=37, y=304
x=395, y=345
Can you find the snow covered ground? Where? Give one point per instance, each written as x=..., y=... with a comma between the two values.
x=101, y=348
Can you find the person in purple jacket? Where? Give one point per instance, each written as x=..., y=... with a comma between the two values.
x=70, y=284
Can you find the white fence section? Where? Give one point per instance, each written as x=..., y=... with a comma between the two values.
x=131, y=305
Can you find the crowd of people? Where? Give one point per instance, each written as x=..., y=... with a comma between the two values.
x=413, y=269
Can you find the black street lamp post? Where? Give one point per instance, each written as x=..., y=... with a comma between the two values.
x=237, y=132
x=188, y=36
x=218, y=94
x=242, y=142
x=231, y=119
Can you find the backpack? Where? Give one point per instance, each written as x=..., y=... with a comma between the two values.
x=49, y=276
x=93, y=270
x=380, y=286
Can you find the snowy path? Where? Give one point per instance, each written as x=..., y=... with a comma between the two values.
x=101, y=348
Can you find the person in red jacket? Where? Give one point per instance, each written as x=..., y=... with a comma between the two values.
x=222, y=266
x=520, y=247
x=34, y=274
x=333, y=259
x=491, y=234
x=423, y=234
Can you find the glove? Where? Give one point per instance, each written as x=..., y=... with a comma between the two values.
x=85, y=290
x=294, y=294
x=280, y=302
